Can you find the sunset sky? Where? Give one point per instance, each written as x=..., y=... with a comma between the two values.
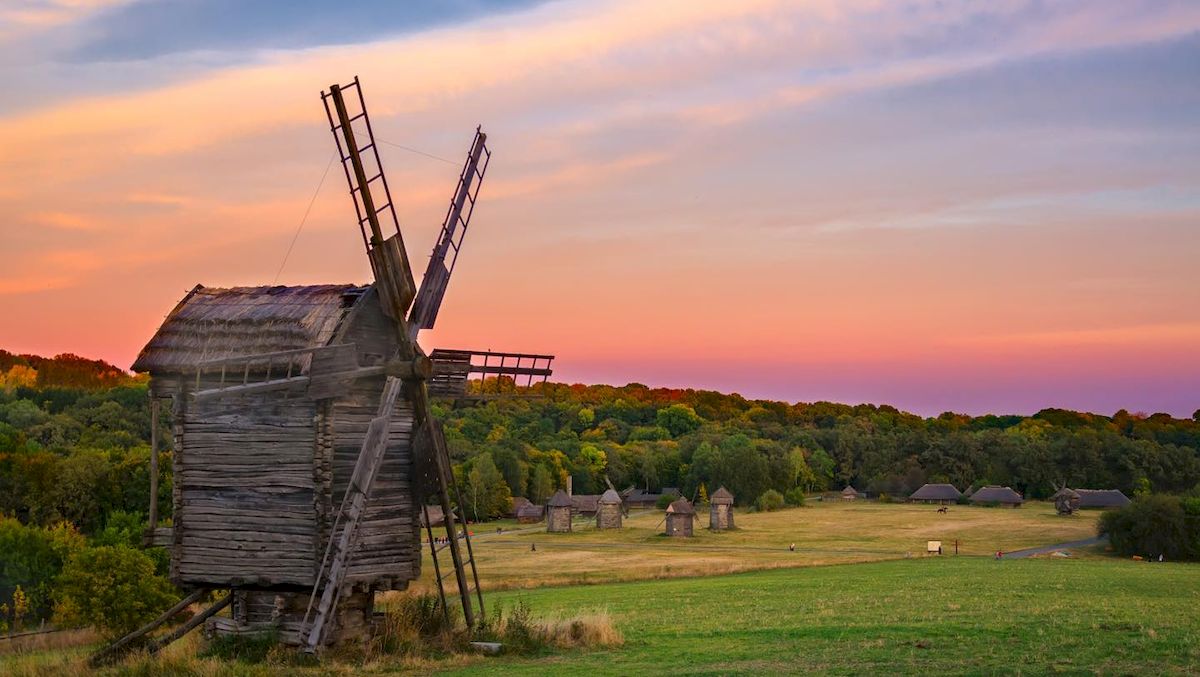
x=977, y=206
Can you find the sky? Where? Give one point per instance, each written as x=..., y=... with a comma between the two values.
x=977, y=207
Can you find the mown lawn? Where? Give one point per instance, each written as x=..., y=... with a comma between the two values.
x=824, y=533
x=969, y=615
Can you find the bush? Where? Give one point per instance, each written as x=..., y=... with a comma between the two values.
x=769, y=501
x=796, y=497
x=665, y=500
x=32, y=558
x=113, y=588
x=1155, y=525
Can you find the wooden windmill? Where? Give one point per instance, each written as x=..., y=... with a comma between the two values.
x=304, y=443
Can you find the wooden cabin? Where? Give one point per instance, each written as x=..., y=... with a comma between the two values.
x=680, y=516
x=608, y=510
x=720, y=510
x=259, y=474
x=558, y=512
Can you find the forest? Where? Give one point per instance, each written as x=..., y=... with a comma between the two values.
x=74, y=453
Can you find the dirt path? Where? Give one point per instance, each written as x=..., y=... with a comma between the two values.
x=1042, y=550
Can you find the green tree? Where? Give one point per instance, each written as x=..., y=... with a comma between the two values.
x=112, y=588
x=678, y=419
x=769, y=501
x=488, y=495
x=541, y=485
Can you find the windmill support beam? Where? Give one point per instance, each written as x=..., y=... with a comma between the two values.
x=328, y=385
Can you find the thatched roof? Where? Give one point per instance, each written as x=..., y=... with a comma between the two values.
x=211, y=323
x=530, y=511
x=721, y=497
x=610, y=497
x=1101, y=498
x=968, y=492
x=849, y=491
x=1069, y=493
x=681, y=506
x=996, y=495
x=585, y=502
x=936, y=492
x=560, y=499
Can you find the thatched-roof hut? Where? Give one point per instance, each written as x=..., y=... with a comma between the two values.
x=940, y=494
x=850, y=494
x=585, y=504
x=1102, y=498
x=1004, y=496
x=608, y=511
x=680, y=515
x=518, y=502
x=720, y=510
x=558, y=512
x=531, y=514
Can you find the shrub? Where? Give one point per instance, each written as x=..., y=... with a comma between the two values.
x=113, y=588
x=796, y=497
x=770, y=500
x=32, y=558
x=665, y=500
x=1155, y=525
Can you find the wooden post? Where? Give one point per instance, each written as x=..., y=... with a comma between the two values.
x=154, y=406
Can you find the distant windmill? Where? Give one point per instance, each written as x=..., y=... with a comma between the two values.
x=305, y=444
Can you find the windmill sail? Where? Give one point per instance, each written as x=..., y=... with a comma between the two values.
x=454, y=228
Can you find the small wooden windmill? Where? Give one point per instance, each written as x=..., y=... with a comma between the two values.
x=304, y=441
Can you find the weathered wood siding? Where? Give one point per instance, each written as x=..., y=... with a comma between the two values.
x=558, y=518
x=608, y=516
x=679, y=524
x=244, y=479
x=720, y=517
x=388, y=553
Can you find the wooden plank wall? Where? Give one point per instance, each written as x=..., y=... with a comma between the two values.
x=244, y=473
x=387, y=551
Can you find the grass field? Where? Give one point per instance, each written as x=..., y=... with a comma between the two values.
x=795, y=612
x=824, y=533
x=951, y=615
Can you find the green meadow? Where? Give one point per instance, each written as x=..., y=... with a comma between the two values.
x=971, y=615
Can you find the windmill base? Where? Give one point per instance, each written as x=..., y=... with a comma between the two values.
x=258, y=612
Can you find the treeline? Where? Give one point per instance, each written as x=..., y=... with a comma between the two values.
x=692, y=439
x=74, y=488
x=65, y=370
x=74, y=458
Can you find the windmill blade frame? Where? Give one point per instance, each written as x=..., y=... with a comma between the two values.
x=449, y=243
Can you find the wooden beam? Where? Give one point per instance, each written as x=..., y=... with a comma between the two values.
x=158, y=645
x=110, y=651
x=154, y=407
